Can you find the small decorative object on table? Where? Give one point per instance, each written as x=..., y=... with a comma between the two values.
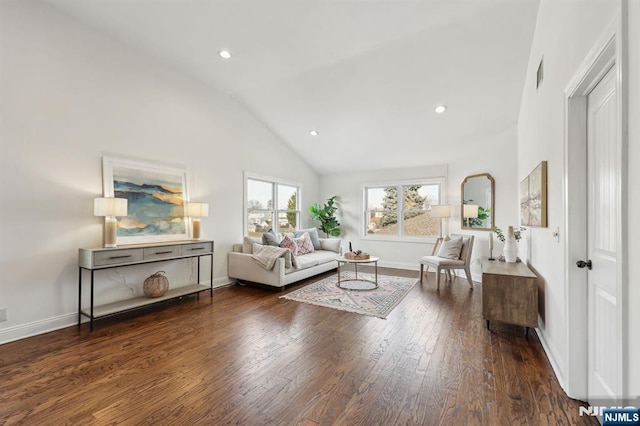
x=510, y=249
x=357, y=255
x=156, y=285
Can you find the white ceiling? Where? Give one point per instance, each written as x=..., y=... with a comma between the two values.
x=365, y=73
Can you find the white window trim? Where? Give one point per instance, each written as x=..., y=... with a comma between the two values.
x=440, y=180
x=268, y=179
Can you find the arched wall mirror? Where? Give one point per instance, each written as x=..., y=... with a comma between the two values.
x=478, y=210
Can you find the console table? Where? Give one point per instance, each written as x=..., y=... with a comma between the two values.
x=509, y=293
x=93, y=260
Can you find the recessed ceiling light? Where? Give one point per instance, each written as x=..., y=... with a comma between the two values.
x=440, y=109
x=225, y=54
x=313, y=132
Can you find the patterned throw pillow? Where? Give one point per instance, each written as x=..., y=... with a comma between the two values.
x=313, y=234
x=290, y=244
x=304, y=244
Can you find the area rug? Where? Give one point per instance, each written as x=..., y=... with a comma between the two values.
x=376, y=303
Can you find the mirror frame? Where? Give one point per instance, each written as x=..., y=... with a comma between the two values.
x=493, y=207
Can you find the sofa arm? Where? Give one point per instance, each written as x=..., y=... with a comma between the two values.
x=244, y=267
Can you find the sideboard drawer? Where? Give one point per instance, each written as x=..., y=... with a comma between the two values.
x=161, y=252
x=112, y=257
x=195, y=248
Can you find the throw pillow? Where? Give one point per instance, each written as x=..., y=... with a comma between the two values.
x=313, y=234
x=304, y=244
x=450, y=249
x=331, y=244
x=290, y=244
x=270, y=238
x=247, y=244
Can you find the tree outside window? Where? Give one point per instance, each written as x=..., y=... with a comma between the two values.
x=384, y=216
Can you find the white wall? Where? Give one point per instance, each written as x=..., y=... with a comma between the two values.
x=565, y=33
x=494, y=154
x=69, y=94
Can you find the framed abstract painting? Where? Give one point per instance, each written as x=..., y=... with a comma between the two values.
x=533, y=197
x=156, y=194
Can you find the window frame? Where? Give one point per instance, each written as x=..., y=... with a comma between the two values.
x=274, y=211
x=400, y=210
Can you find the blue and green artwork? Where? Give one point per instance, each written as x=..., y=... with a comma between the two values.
x=155, y=202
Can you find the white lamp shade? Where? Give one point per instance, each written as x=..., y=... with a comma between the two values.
x=110, y=207
x=441, y=211
x=471, y=210
x=197, y=209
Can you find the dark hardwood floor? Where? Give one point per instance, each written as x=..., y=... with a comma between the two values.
x=248, y=357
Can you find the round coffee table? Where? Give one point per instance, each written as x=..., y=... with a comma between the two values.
x=372, y=284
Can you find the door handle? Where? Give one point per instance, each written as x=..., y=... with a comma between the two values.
x=582, y=264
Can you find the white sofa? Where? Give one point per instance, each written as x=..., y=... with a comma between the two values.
x=243, y=267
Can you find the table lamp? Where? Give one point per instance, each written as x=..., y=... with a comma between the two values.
x=110, y=208
x=440, y=212
x=470, y=212
x=196, y=211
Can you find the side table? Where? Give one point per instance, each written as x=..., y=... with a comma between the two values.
x=509, y=293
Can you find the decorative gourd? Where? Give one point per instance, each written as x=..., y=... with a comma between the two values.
x=156, y=285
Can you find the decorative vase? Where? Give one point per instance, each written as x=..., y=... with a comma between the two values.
x=156, y=285
x=510, y=247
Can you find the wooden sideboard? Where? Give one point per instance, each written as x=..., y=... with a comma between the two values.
x=509, y=293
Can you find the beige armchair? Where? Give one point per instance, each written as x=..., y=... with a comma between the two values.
x=447, y=264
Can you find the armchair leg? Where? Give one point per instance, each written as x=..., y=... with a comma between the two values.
x=468, y=272
x=421, y=271
x=438, y=277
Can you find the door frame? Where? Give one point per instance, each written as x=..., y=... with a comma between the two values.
x=607, y=52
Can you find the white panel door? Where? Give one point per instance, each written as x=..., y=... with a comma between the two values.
x=604, y=375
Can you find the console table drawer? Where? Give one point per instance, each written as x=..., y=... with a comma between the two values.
x=160, y=252
x=195, y=248
x=112, y=257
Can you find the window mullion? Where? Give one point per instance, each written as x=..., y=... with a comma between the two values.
x=400, y=210
x=274, y=207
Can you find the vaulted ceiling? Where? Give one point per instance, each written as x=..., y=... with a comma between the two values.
x=366, y=74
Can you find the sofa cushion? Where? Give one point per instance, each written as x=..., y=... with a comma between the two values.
x=271, y=238
x=331, y=244
x=287, y=242
x=247, y=244
x=313, y=234
x=304, y=244
x=321, y=256
x=306, y=261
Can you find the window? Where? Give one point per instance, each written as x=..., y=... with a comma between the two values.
x=385, y=217
x=270, y=205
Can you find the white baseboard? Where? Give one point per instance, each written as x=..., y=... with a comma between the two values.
x=31, y=329
x=552, y=356
x=34, y=328
x=400, y=265
x=416, y=267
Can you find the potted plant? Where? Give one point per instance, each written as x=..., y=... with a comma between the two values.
x=517, y=233
x=326, y=214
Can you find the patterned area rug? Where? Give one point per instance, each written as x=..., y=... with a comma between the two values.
x=376, y=303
